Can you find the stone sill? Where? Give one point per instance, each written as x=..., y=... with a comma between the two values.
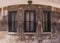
x=12, y=33
x=46, y=33
x=30, y=33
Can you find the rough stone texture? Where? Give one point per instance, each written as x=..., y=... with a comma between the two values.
x=38, y=37
x=6, y=38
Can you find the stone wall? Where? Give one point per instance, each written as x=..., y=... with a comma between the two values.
x=39, y=36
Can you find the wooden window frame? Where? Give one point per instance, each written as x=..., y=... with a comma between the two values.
x=29, y=11
x=12, y=32
x=48, y=21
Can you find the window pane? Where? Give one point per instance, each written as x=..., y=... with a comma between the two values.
x=12, y=21
x=44, y=27
x=27, y=16
x=27, y=26
x=29, y=21
x=32, y=26
x=47, y=22
x=9, y=21
x=12, y=29
x=12, y=17
x=32, y=16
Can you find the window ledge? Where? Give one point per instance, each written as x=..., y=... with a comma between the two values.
x=46, y=33
x=30, y=33
x=12, y=32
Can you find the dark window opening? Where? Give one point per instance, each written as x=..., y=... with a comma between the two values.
x=46, y=21
x=12, y=21
x=29, y=21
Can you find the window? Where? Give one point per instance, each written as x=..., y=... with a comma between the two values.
x=29, y=21
x=46, y=21
x=12, y=21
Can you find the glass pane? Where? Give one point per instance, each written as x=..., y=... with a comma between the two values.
x=32, y=16
x=12, y=18
x=27, y=16
x=12, y=29
x=46, y=22
x=9, y=21
x=45, y=17
x=49, y=21
x=29, y=21
x=27, y=26
x=15, y=22
x=32, y=26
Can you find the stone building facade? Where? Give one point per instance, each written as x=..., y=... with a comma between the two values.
x=30, y=24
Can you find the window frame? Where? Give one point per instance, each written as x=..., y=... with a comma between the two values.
x=33, y=11
x=48, y=32
x=12, y=32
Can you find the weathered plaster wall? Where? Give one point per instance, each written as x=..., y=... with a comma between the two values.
x=38, y=37
x=54, y=3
